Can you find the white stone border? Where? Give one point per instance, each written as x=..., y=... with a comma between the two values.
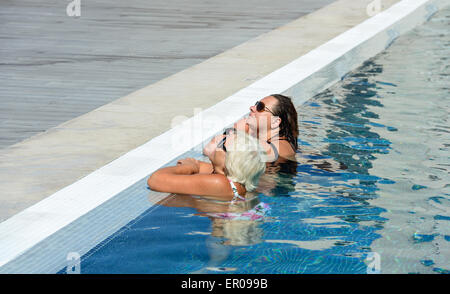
x=38, y=239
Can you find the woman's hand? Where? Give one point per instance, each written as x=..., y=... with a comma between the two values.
x=191, y=163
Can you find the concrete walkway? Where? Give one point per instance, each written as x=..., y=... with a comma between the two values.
x=44, y=164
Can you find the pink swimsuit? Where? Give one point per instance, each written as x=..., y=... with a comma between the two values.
x=256, y=213
x=235, y=192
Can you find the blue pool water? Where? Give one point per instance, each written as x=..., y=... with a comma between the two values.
x=371, y=177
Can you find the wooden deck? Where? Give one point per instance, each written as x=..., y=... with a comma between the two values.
x=54, y=67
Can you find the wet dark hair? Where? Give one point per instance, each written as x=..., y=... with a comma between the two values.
x=286, y=111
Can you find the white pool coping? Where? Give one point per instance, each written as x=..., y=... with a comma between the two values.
x=38, y=239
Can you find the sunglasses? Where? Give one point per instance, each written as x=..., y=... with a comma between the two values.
x=260, y=107
x=222, y=144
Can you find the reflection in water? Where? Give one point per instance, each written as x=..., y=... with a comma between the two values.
x=232, y=224
x=350, y=139
x=416, y=107
x=235, y=222
x=280, y=177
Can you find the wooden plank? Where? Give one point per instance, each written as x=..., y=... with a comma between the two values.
x=50, y=62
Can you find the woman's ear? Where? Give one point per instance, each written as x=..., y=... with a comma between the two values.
x=275, y=123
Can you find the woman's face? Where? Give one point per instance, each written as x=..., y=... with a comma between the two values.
x=262, y=120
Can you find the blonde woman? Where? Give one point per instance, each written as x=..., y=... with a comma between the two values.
x=234, y=173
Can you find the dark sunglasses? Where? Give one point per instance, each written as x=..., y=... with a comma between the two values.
x=260, y=107
x=222, y=144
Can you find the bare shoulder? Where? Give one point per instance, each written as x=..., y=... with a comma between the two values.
x=285, y=149
x=211, y=186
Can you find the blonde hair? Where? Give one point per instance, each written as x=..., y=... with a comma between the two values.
x=245, y=160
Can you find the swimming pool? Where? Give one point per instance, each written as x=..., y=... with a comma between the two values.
x=365, y=182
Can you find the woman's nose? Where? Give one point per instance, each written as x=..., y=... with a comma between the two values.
x=253, y=108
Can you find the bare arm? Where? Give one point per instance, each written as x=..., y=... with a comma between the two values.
x=185, y=179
